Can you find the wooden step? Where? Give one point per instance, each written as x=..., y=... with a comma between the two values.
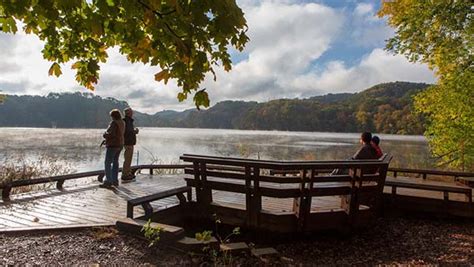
x=135, y=226
x=263, y=252
x=234, y=247
x=192, y=244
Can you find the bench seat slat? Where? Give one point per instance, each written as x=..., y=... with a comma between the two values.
x=160, y=195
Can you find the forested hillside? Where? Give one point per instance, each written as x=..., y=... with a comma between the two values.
x=384, y=108
x=77, y=110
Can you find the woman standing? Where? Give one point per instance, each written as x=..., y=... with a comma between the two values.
x=114, y=139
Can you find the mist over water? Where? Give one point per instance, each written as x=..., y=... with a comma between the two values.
x=80, y=147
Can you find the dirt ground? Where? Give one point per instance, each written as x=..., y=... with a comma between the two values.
x=391, y=241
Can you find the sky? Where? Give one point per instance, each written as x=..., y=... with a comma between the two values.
x=297, y=49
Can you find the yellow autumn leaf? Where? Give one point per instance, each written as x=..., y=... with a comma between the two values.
x=55, y=70
x=162, y=75
x=75, y=65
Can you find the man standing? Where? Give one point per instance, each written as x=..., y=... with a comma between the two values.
x=130, y=139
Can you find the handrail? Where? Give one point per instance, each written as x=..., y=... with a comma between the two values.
x=426, y=172
x=358, y=186
x=7, y=186
x=396, y=171
x=285, y=165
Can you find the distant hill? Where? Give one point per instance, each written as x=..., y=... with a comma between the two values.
x=384, y=108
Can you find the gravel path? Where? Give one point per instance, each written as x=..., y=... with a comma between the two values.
x=392, y=241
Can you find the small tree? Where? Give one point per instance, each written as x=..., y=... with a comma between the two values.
x=441, y=34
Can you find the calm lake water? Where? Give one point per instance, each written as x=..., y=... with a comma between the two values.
x=80, y=147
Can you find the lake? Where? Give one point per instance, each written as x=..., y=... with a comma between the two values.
x=80, y=147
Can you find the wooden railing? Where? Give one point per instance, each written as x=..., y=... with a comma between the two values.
x=7, y=186
x=362, y=184
x=424, y=173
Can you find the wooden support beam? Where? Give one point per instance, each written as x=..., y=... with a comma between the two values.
x=6, y=190
x=256, y=198
x=148, y=209
x=248, y=194
x=59, y=184
x=446, y=195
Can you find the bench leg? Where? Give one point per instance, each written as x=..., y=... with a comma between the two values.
x=190, y=195
x=6, y=193
x=148, y=209
x=59, y=184
x=129, y=211
x=182, y=198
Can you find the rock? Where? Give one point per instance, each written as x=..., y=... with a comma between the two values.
x=260, y=252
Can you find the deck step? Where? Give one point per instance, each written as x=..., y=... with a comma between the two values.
x=134, y=226
x=234, y=247
x=192, y=244
x=262, y=252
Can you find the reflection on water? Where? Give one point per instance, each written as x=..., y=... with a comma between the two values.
x=81, y=146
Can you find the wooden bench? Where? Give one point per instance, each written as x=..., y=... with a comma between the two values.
x=360, y=191
x=446, y=188
x=145, y=201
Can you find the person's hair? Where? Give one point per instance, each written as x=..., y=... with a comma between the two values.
x=127, y=109
x=376, y=140
x=366, y=137
x=115, y=114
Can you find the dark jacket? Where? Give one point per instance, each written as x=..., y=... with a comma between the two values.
x=114, y=134
x=130, y=134
x=367, y=151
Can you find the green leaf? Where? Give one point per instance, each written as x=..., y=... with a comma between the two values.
x=55, y=70
x=201, y=98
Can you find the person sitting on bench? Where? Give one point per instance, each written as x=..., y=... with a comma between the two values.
x=367, y=151
x=375, y=143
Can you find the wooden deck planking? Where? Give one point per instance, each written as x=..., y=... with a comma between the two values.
x=89, y=205
x=82, y=205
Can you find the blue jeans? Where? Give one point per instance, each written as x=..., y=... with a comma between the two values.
x=112, y=164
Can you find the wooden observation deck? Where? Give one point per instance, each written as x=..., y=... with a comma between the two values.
x=278, y=202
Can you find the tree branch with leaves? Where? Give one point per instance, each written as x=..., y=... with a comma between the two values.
x=440, y=34
x=185, y=38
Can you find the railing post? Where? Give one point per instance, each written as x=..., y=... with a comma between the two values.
x=206, y=191
x=256, y=199
x=380, y=184
x=197, y=178
x=446, y=195
x=351, y=203
x=248, y=194
x=300, y=204
x=6, y=192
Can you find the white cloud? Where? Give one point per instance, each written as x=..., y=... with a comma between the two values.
x=281, y=60
x=284, y=41
x=366, y=29
x=363, y=9
x=377, y=67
